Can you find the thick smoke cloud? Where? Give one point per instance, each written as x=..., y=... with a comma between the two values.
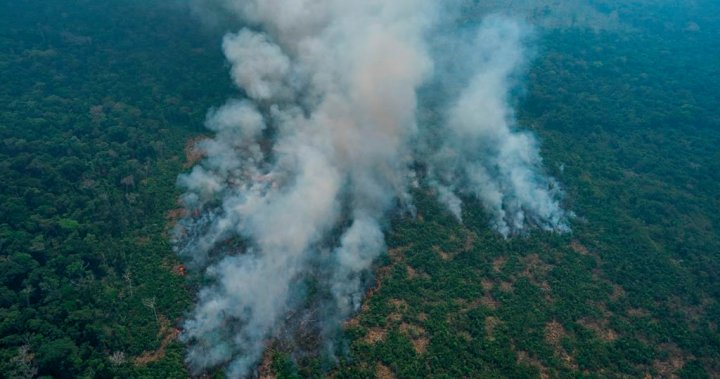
x=301, y=174
x=481, y=155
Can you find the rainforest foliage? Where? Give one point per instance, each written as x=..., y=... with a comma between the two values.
x=98, y=101
x=629, y=125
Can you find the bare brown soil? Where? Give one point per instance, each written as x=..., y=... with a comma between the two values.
x=168, y=335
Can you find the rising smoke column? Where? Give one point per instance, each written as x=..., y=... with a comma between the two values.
x=331, y=85
x=301, y=173
x=481, y=155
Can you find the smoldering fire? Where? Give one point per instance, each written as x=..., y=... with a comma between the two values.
x=304, y=169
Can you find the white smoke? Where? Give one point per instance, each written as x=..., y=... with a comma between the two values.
x=259, y=66
x=481, y=155
x=306, y=169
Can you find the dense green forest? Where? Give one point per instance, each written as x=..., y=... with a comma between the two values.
x=629, y=125
x=98, y=101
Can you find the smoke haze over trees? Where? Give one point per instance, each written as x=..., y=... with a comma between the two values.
x=431, y=252
x=332, y=89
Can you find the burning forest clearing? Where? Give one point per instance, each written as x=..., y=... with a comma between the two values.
x=392, y=189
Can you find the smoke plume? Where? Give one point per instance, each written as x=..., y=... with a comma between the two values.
x=480, y=154
x=305, y=166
